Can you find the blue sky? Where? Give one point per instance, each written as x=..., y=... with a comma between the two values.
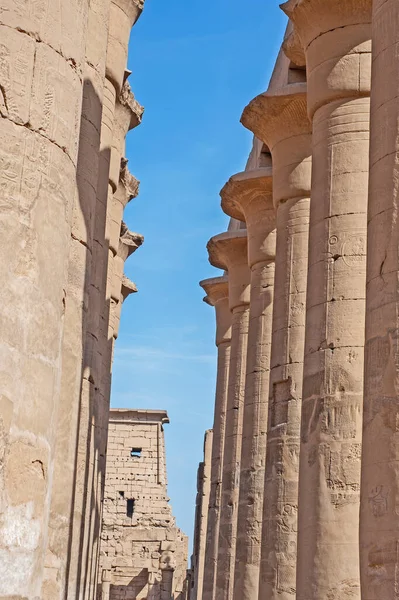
x=195, y=66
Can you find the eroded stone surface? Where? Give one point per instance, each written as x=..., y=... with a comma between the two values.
x=379, y=524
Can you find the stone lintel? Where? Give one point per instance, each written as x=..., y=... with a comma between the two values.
x=281, y=121
x=229, y=251
x=273, y=117
x=242, y=189
x=313, y=18
x=216, y=289
x=123, y=14
x=129, y=241
x=138, y=415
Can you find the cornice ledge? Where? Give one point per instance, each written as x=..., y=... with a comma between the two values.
x=228, y=248
x=216, y=289
x=271, y=117
x=313, y=18
x=128, y=287
x=243, y=187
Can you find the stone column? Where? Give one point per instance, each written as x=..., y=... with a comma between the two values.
x=42, y=56
x=105, y=585
x=95, y=390
x=229, y=251
x=336, y=40
x=379, y=517
x=217, y=292
x=201, y=515
x=76, y=296
x=280, y=121
x=248, y=196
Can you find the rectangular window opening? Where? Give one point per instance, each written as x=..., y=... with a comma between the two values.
x=135, y=452
x=130, y=507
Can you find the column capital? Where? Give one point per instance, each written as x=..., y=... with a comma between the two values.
x=248, y=196
x=312, y=18
x=274, y=116
x=128, y=187
x=128, y=112
x=128, y=287
x=280, y=120
x=336, y=37
x=129, y=241
x=229, y=251
x=216, y=289
x=217, y=295
x=123, y=14
x=293, y=48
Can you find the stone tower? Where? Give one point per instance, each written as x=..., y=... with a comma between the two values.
x=143, y=553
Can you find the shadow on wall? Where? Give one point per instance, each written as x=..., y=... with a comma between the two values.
x=82, y=420
x=92, y=421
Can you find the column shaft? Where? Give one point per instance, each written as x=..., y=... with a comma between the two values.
x=255, y=413
x=280, y=120
x=42, y=58
x=333, y=365
x=232, y=455
x=219, y=425
x=278, y=565
x=379, y=520
x=336, y=40
x=76, y=305
x=203, y=490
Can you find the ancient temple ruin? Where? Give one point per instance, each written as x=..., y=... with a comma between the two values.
x=142, y=554
x=65, y=106
x=297, y=495
x=306, y=411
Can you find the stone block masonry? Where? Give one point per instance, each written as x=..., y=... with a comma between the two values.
x=143, y=553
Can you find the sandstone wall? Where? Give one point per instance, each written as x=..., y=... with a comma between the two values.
x=143, y=553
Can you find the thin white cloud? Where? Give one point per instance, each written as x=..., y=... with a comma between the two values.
x=147, y=352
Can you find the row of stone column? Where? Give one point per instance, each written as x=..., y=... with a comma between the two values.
x=65, y=108
x=291, y=462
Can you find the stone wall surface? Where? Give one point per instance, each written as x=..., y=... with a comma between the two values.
x=143, y=554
